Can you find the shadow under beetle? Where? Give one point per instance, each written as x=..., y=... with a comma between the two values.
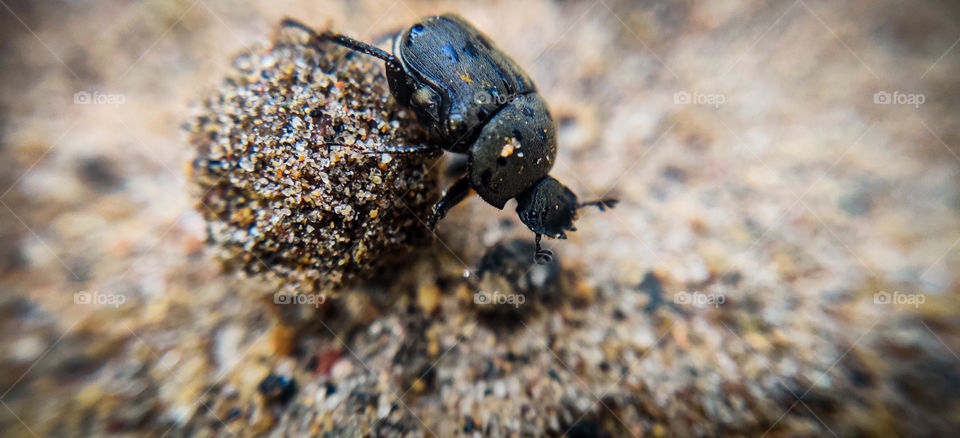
x=473, y=99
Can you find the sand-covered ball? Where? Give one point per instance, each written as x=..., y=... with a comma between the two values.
x=285, y=170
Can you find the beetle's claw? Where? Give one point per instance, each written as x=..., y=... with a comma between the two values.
x=432, y=220
x=543, y=256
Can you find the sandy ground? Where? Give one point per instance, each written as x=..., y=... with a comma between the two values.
x=782, y=262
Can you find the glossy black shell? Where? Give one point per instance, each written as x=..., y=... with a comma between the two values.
x=472, y=98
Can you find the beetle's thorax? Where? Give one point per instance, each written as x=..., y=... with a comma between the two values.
x=515, y=149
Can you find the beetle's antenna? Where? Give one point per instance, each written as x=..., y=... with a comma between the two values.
x=542, y=256
x=602, y=204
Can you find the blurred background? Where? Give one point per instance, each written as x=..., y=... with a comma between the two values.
x=783, y=261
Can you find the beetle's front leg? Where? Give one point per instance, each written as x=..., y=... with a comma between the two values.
x=456, y=193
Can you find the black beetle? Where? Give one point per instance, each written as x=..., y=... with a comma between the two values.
x=473, y=99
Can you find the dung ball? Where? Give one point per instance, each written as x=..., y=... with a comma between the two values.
x=286, y=170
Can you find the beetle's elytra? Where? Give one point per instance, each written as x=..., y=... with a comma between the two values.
x=473, y=99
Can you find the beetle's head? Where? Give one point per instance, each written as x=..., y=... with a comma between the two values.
x=548, y=208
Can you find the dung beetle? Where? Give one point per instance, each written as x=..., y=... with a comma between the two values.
x=473, y=99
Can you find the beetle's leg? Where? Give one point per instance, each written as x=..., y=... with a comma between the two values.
x=362, y=47
x=428, y=150
x=542, y=256
x=457, y=165
x=345, y=41
x=602, y=204
x=290, y=22
x=456, y=193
